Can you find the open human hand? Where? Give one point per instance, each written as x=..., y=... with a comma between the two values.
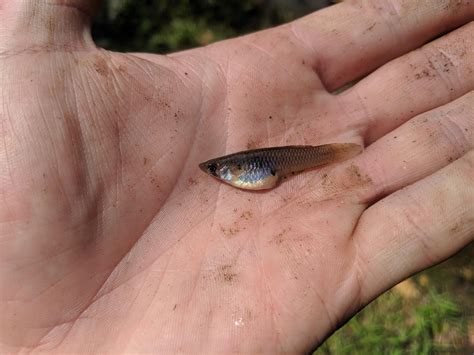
x=112, y=240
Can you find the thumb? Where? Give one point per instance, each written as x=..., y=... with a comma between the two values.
x=45, y=25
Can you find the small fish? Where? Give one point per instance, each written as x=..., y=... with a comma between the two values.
x=261, y=169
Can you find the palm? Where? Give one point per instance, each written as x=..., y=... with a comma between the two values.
x=139, y=242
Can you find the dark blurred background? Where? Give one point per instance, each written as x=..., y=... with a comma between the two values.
x=163, y=26
x=433, y=311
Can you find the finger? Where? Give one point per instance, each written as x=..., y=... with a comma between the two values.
x=353, y=38
x=411, y=152
x=46, y=25
x=416, y=227
x=418, y=148
x=417, y=82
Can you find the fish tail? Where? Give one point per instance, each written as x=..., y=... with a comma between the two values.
x=344, y=151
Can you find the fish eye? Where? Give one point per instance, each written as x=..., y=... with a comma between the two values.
x=212, y=168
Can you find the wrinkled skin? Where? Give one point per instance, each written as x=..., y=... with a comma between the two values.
x=113, y=240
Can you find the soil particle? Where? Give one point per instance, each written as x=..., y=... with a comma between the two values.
x=226, y=273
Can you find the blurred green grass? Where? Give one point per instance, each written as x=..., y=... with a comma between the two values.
x=162, y=26
x=432, y=312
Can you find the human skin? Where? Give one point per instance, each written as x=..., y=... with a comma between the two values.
x=112, y=240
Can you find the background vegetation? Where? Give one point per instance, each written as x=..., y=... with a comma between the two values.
x=164, y=25
x=432, y=312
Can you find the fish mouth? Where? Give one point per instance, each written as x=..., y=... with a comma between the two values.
x=209, y=168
